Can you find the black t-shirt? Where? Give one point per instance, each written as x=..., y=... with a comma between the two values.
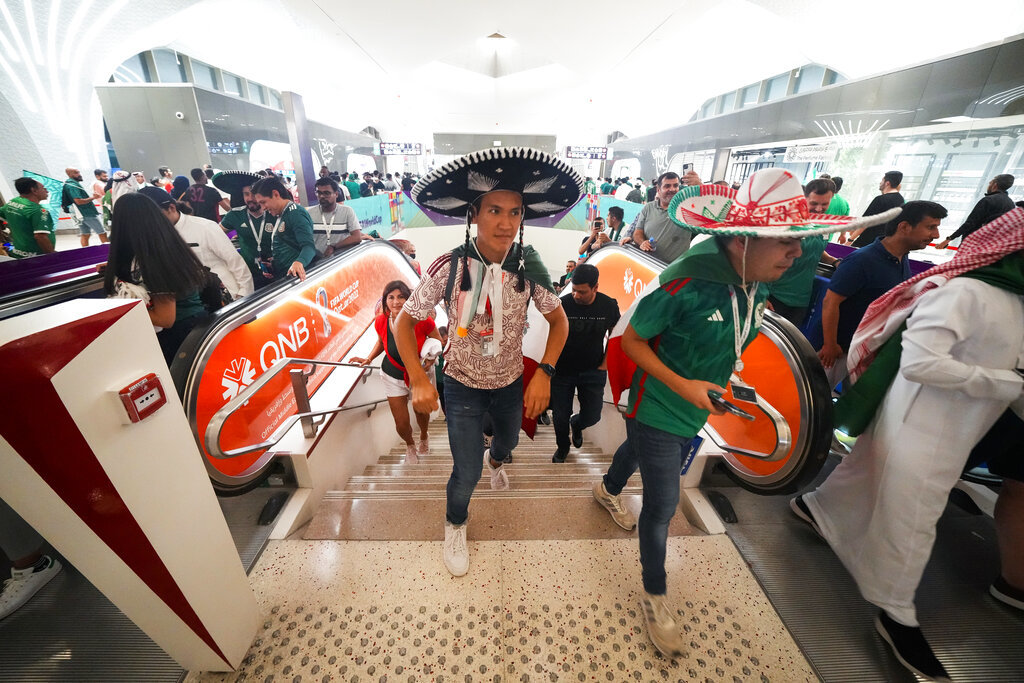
x=408, y=184
x=204, y=200
x=584, y=349
x=879, y=204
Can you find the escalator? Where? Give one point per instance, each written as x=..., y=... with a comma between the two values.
x=319, y=319
x=785, y=446
x=34, y=283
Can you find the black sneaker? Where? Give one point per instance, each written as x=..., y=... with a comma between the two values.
x=1004, y=592
x=577, y=433
x=803, y=513
x=559, y=455
x=911, y=648
x=544, y=418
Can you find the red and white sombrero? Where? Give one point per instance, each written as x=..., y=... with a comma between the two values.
x=770, y=203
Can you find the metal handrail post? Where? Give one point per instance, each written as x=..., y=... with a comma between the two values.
x=302, y=402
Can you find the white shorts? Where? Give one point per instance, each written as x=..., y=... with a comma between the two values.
x=392, y=386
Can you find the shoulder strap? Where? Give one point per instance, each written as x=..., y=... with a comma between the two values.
x=452, y=267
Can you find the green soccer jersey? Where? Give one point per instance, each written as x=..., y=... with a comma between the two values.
x=796, y=284
x=689, y=323
x=838, y=206
x=254, y=236
x=26, y=220
x=292, y=238
x=78, y=192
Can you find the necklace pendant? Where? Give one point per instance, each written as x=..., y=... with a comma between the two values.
x=738, y=367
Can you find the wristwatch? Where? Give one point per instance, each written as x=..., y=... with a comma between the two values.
x=548, y=368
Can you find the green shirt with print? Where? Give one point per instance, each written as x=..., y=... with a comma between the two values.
x=292, y=239
x=689, y=322
x=27, y=219
x=796, y=284
x=838, y=206
x=78, y=192
x=242, y=222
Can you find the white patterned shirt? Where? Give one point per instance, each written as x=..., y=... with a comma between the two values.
x=464, y=360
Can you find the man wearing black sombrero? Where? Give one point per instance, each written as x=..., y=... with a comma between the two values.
x=249, y=221
x=487, y=285
x=680, y=343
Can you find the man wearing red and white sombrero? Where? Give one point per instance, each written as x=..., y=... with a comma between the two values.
x=957, y=332
x=686, y=336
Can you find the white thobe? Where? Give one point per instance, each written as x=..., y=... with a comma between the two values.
x=879, y=508
x=214, y=250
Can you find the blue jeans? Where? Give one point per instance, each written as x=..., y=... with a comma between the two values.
x=660, y=458
x=589, y=384
x=466, y=408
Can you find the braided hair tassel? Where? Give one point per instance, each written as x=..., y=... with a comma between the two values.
x=465, y=283
x=521, y=281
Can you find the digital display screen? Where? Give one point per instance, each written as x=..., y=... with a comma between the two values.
x=576, y=152
x=401, y=148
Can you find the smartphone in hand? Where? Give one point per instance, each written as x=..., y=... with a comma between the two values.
x=716, y=398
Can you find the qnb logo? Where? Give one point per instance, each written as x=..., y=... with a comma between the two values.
x=631, y=283
x=237, y=377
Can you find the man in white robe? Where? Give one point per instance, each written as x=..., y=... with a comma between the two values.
x=957, y=375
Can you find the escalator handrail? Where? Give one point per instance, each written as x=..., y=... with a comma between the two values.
x=216, y=424
x=783, y=434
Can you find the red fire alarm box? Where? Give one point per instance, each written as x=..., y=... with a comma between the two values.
x=143, y=397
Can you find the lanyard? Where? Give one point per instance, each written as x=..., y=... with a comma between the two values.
x=259, y=236
x=323, y=218
x=278, y=224
x=740, y=337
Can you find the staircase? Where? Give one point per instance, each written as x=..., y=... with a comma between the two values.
x=395, y=501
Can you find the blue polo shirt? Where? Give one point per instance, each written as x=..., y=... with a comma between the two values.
x=861, y=277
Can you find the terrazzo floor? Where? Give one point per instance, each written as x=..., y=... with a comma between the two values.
x=564, y=610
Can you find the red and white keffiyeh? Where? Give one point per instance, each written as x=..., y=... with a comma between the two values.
x=990, y=243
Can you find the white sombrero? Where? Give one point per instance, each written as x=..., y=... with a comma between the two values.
x=770, y=203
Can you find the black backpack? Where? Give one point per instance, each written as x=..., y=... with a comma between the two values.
x=214, y=294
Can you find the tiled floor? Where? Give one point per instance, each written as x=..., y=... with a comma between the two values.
x=528, y=610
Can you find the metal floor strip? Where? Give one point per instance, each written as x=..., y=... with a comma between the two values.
x=977, y=638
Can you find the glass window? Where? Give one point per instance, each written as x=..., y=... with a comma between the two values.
x=168, y=66
x=777, y=87
x=256, y=93
x=748, y=96
x=132, y=70
x=809, y=78
x=204, y=76
x=232, y=84
x=275, y=100
x=708, y=109
x=728, y=102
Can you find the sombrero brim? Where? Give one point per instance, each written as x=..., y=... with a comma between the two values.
x=232, y=182
x=548, y=185
x=705, y=209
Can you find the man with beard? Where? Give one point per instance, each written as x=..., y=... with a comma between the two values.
x=83, y=201
x=251, y=224
x=335, y=225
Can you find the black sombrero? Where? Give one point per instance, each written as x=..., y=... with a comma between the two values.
x=232, y=182
x=548, y=185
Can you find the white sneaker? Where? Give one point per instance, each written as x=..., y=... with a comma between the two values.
x=614, y=506
x=499, y=477
x=661, y=627
x=456, y=551
x=24, y=583
x=424, y=447
x=411, y=457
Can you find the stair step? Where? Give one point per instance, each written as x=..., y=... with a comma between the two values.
x=525, y=482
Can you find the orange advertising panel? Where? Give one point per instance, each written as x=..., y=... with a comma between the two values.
x=321, y=320
x=766, y=369
x=622, y=277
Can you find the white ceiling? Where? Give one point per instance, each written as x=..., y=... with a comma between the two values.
x=576, y=70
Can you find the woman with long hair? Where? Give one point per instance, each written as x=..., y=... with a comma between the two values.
x=149, y=260
x=393, y=373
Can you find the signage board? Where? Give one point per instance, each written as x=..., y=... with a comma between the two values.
x=583, y=152
x=401, y=148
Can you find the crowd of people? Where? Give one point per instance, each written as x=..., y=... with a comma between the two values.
x=245, y=230
x=956, y=332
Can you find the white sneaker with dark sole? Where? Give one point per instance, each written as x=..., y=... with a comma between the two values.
x=25, y=583
x=613, y=504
